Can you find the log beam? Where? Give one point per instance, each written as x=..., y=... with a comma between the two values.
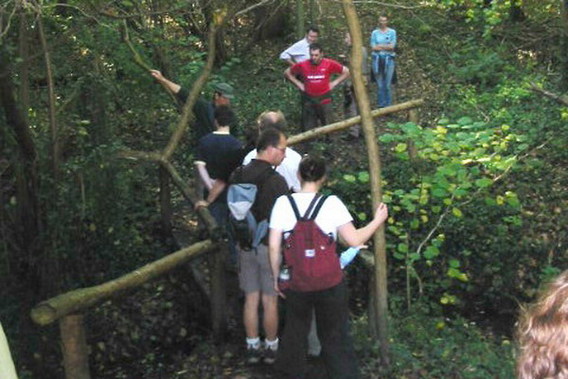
x=341, y=125
x=81, y=299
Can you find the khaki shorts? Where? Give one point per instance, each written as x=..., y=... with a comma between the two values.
x=254, y=271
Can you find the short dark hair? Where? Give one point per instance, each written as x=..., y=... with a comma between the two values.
x=224, y=115
x=268, y=137
x=316, y=46
x=312, y=168
x=312, y=29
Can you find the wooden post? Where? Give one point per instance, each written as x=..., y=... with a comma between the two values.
x=74, y=346
x=378, y=307
x=412, y=117
x=218, y=292
x=165, y=202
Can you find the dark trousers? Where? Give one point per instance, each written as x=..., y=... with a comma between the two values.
x=312, y=113
x=332, y=320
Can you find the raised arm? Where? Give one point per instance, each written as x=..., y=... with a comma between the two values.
x=167, y=84
x=356, y=237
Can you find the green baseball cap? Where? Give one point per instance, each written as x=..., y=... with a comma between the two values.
x=224, y=89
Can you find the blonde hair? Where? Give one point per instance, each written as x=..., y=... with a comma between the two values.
x=542, y=334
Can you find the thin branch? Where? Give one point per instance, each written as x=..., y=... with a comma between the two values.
x=558, y=98
x=262, y=3
x=389, y=5
x=5, y=30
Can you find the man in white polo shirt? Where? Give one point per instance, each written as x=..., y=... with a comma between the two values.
x=299, y=51
x=289, y=166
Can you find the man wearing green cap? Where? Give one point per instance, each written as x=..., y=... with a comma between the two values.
x=203, y=109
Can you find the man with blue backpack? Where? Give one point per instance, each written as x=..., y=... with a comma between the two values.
x=253, y=188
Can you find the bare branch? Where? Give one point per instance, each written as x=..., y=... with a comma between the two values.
x=262, y=3
x=558, y=98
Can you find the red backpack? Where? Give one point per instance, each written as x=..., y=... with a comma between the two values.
x=309, y=253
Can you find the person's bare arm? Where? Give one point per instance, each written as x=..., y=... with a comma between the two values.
x=356, y=237
x=344, y=75
x=204, y=175
x=291, y=77
x=218, y=188
x=167, y=84
x=275, y=256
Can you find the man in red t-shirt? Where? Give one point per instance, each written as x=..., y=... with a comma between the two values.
x=312, y=77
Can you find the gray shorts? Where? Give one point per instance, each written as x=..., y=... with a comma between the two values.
x=254, y=271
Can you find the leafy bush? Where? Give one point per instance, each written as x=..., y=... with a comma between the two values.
x=428, y=346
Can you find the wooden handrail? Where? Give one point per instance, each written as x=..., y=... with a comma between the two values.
x=336, y=126
x=80, y=299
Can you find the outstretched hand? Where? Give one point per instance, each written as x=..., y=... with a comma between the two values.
x=157, y=75
x=381, y=213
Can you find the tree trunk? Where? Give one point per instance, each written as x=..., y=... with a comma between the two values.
x=24, y=71
x=380, y=306
x=26, y=247
x=564, y=46
x=54, y=132
x=300, y=19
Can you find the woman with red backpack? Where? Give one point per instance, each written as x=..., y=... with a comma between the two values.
x=304, y=227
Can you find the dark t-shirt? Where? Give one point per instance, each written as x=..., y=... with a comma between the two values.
x=222, y=153
x=273, y=187
x=203, y=111
x=204, y=115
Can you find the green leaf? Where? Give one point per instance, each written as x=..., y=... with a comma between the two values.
x=363, y=177
x=456, y=212
x=349, y=178
x=415, y=223
x=399, y=256
x=401, y=147
x=431, y=252
x=454, y=263
x=465, y=121
x=483, y=182
x=414, y=257
x=439, y=192
x=402, y=247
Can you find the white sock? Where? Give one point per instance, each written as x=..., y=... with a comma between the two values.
x=253, y=343
x=273, y=345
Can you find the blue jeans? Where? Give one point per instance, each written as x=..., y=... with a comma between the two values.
x=384, y=79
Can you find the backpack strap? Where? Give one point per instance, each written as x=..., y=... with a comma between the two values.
x=311, y=206
x=318, y=207
x=294, y=206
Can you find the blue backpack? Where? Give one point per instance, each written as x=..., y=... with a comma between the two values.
x=248, y=231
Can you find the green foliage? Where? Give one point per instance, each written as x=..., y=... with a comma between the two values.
x=428, y=346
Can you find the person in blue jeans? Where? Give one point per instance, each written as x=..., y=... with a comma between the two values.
x=383, y=43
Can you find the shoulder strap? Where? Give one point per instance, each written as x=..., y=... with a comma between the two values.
x=294, y=206
x=311, y=206
x=318, y=207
